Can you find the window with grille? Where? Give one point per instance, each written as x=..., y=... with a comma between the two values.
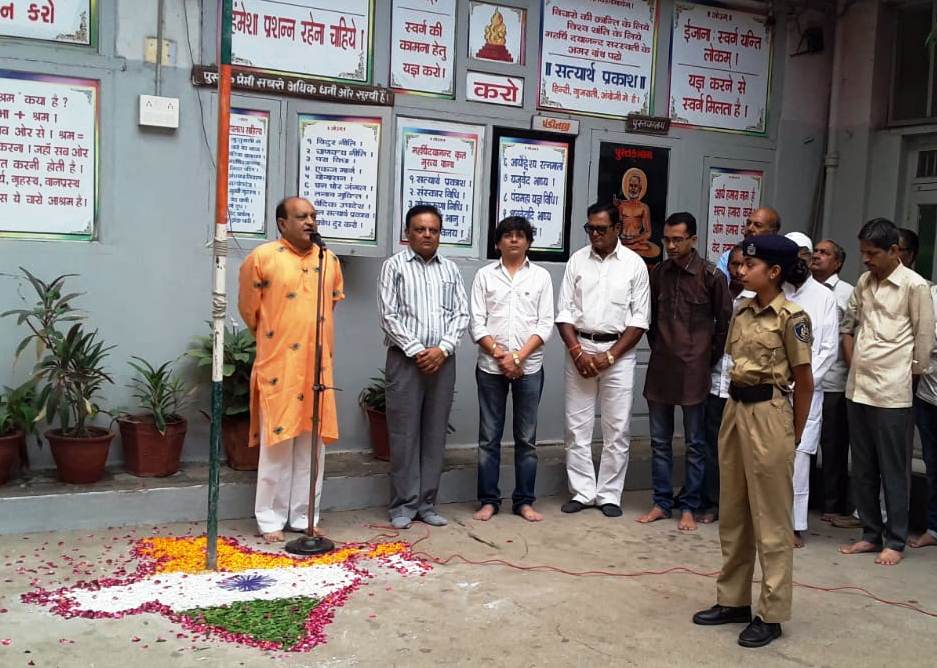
x=914, y=84
x=926, y=164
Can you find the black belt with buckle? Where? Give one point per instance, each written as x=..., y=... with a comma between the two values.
x=751, y=394
x=598, y=337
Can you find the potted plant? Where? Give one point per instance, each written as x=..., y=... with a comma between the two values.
x=153, y=439
x=373, y=400
x=240, y=349
x=17, y=420
x=70, y=374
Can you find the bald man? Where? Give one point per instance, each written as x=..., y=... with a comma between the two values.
x=761, y=221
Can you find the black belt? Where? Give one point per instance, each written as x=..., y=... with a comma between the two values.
x=598, y=337
x=751, y=394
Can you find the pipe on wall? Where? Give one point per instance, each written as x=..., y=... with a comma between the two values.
x=160, y=10
x=831, y=158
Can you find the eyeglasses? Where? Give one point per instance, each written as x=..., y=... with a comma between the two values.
x=596, y=229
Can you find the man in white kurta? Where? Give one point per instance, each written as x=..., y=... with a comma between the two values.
x=820, y=304
x=602, y=312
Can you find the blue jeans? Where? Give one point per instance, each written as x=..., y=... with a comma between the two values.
x=925, y=416
x=694, y=427
x=492, y=405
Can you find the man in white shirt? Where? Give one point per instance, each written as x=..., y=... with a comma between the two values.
x=602, y=312
x=820, y=304
x=925, y=416
x=512, y=318
x=826, y=263
x=716, y=401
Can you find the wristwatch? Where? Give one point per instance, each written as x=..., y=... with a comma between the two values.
x=611, y=358
x=517, y=359
x=445, y=355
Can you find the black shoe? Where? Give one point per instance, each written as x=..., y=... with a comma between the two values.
x=759, y=633
x=572, y=506
x=610, y=510
x=721, y=614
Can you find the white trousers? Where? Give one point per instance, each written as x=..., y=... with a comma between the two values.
x=283, y=484
x=808, y=446
x=613, y=389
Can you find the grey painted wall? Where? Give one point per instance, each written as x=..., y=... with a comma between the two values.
x=147, y=276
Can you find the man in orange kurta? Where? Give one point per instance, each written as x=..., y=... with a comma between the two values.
x=277, y=300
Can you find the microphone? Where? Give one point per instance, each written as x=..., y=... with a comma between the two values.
x=316, y=238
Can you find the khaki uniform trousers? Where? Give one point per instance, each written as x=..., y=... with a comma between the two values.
x=756, y=465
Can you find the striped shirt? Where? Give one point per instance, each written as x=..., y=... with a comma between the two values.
x=423, y=303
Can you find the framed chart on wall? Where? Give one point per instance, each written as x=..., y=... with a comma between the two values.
x=338, y=173
x=439, y=163
x=531, y=176
x=247, y=172
x=48, y=156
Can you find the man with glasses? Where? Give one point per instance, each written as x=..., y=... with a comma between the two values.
x=690, y=314
x=761, y=221
x=603, y=309
x=423, y=313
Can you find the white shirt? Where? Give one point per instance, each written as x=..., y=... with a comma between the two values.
x=605, y=296
x=722, y=370
x=511, y=309
x=927, y=388
x=820, y=304
x=835, y=379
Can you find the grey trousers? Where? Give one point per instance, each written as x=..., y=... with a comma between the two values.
x=417, y=415
x=880, y=439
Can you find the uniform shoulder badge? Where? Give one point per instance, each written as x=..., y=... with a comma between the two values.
x=802, y=328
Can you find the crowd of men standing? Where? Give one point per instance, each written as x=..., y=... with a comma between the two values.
x=860, y=356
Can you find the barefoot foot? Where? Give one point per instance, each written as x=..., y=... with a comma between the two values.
x=485, y=513
x=687, y=521
x=654, y=515
x=528, y=513
x=827, y=517
x=888, y=557
x=799, y=540
x=709, y=517
x=273, y=537
x=862, y=547
x=923, y=540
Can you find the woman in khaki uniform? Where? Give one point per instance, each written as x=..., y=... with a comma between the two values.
x=769, y=341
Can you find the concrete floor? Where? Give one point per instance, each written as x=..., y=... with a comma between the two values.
x=491, y=615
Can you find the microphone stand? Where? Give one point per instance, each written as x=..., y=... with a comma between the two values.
x=310, y=543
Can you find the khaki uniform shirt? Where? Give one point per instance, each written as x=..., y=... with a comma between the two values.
x=893, y=325
x=767, y=343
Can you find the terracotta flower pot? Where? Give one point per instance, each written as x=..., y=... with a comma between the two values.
x=10, y=448
x=147, y=453
x=235, y=435
x=80, y=460
x=379, y=440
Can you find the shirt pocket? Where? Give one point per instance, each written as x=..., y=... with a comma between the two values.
x=700, y=313
x=448, y=298
x=768, y=348
x=619, y=297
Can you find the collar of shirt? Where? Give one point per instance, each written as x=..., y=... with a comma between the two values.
x=798, y=291
x=503, y=269
x=617, y=253
x=898, y=277
x=412, y=255
x=832, y=281
x=295, y=251
x=692, y=267
x=774, y=305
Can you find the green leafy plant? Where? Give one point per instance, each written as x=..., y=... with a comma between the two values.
x=374, y=396
x=158, y=391
x=240, y=349
x=18, y=409
x=71, y=369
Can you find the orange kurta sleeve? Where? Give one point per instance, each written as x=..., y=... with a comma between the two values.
x=250, y=290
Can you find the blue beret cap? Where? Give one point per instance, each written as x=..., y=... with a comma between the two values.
x=773, y=249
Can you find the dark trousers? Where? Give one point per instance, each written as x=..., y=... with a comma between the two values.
x=694, y=434
x=834, y=444
x=709, y=495
x=492, y=406
x=881, y=456
x=417, y=415
x=925, y=416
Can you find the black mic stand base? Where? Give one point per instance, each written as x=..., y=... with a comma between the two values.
x=310, y=545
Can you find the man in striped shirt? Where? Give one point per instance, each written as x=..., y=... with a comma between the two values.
x=424, y=312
